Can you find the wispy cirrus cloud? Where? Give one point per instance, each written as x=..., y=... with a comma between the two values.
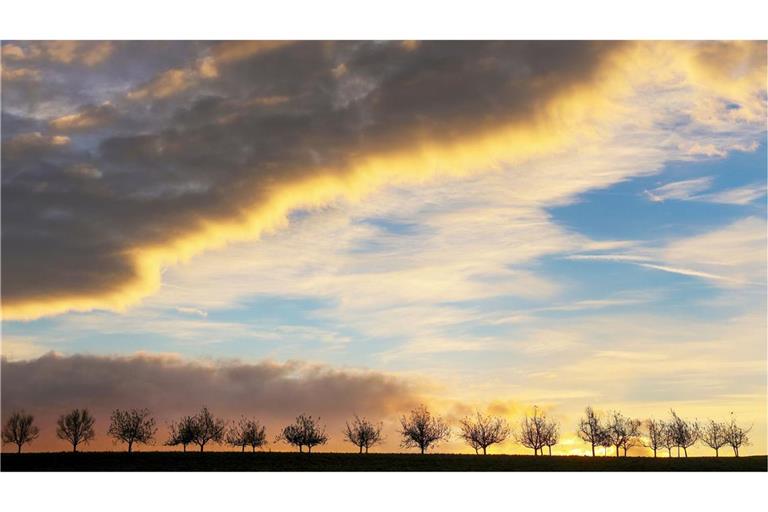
x=733, y=255
x=697, y=190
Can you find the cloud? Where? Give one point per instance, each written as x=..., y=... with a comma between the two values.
x=170, y=387
x=738, y=195
x=167, y=84
x=88, y=117
x=693, y=190
x=182, y=181
x=730, y=256
x=682, y=190
x=88, y=53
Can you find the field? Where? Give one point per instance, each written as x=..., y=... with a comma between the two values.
x=274, y=461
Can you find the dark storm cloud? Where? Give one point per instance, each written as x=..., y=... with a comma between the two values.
x=171, y=386
x=196, y=133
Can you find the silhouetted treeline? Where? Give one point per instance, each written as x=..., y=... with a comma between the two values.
x=419, y=429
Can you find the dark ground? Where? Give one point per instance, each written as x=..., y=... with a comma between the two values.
x=233, y=461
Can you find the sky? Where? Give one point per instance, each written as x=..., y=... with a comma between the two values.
x=337, y=228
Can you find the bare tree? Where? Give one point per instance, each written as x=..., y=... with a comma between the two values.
x=422, y=430
x=737, y=436
x=591, y=429
x=623, y=432
x=715, y=435
x=247, y=432
x=363, y=433
x=133, y=426
x=668, y=438
x=656, y=435
x=305, y=432
x=20, y=429
x=533, y=432
x=76, y=427
x=606, y=441
x=182, y=432
x=207, y=428
x=551, y=435
x=483, y=431
x=685, y=433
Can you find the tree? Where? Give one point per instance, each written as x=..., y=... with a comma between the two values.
x=133, y=426
x=247, y=432
x=533, y=432
x=422, y=430
x=685, y=433
x=207, y=428
x=667, y=438
x=20, y=430
x=715, y=435
x=76, y=427
x=591, y=429
x=363, y=433
x=737, y=436
x=483, y=431
x=551, y=435
x=656, y=435
x=306, y=431
x=623, y=432
x=182, y=433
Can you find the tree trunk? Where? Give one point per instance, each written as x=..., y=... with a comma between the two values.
x=19, y=450
x=243, y=450
x=366, y=449
x=422, y=450
x=74, y=447
x=484, y=451
x=617, y=450
x=361, y=448
x=254, y=449
x=201, y=447
x=185, y=448
x=717, y=452
x=593, y=450
x=550, y=450
x=654, y=453
x=670, y=452
x=685, y=449
x=130, y=446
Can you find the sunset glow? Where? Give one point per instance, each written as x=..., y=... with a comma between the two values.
x=269, y=228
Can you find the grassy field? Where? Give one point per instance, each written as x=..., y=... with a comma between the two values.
x=229, y=461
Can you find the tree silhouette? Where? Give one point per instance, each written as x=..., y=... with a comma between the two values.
x=533, y=432
x=591, y=429
x=623, y=432
x=20, y=429
x=363, y=433
x=481, y=431
x=207, y=428
x=422, y=430
x=667, y=438
x=132, y=426
x=685, y=433
x=76, y=427
x=306, y=431
x=247, y=432
x=656, y=435
x=737, y=436
x=551, y=435
x=181, y=433
x=715, y=435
